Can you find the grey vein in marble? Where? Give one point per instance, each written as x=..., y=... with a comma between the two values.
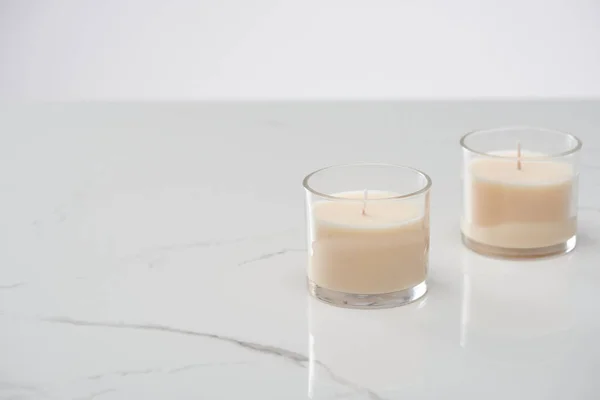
x=12, y=286
x=18, y=390
x=195, y=244
x=269, y=255
x=288, y=355
x=202, y=365
x=356, y=388
x=147, y=371
x=123, y=373
x=18, y=386
x=94, y=395
x=153, y=254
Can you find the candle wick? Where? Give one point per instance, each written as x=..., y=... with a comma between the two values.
x=519, y=166
x=365, y=195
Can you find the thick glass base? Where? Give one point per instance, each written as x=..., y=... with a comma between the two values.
x=503, y=252
x=367, y=301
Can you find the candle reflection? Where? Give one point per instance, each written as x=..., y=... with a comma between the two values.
x=363, y=354
x=514, y=300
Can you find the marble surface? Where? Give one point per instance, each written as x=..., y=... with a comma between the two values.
x=156, y=251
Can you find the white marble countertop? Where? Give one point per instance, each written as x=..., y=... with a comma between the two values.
x=157, y=252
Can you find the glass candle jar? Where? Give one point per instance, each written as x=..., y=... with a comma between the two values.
x=520, y=191
x=368, y=234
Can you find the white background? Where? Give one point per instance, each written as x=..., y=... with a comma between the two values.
x=276, y=49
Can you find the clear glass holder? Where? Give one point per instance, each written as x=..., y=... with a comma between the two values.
x=520, y=188
x=368, y=235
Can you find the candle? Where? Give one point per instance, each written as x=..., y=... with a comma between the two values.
x=368, y=248
x=526, y=208
x=519, y=203
x=380, y=251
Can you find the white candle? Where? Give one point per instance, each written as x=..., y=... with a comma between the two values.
x=519, y=208
x=381, y=250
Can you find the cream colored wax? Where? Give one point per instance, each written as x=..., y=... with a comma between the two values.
x=383, y=250
x=523, y=208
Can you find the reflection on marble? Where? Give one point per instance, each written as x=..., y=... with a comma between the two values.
x=515, y=299
x=359, y=354
x=516, y=320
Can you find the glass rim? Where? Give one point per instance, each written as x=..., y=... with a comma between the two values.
x=424, y=189
x=574, y=149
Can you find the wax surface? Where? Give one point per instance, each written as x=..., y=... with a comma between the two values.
x=383, y=251
x=379, y=212
x=532, y=172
